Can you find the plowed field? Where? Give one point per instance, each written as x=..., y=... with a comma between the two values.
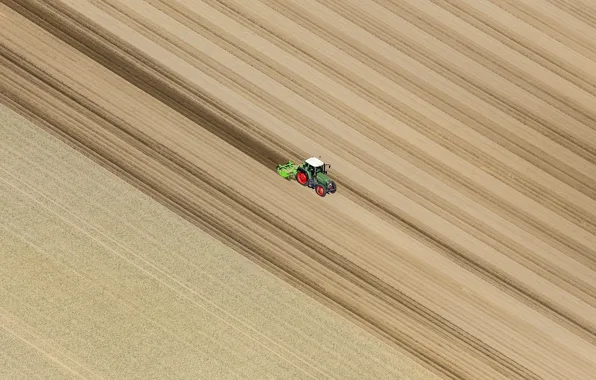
x=461, y=134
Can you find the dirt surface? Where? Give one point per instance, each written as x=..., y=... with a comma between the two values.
x=462, y=135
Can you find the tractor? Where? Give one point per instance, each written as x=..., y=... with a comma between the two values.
x=312, y=173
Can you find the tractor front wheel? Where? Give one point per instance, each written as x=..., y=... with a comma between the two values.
x=321, y=192
x=302, y=178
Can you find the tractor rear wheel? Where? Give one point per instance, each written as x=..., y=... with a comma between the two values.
x=301, y=177
x=321, y=191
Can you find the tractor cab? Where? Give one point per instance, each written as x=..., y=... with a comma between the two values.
x=315, y=166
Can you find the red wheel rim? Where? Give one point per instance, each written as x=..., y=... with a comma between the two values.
x=301, y=178
x=320, y=190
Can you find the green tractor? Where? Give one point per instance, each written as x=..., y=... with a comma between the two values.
x=312, y=173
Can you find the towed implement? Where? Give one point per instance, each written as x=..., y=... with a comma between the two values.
x=312, y=173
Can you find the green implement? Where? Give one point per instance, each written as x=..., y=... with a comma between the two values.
x=287, y=171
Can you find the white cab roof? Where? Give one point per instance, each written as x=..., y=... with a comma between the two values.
x=313, y=161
